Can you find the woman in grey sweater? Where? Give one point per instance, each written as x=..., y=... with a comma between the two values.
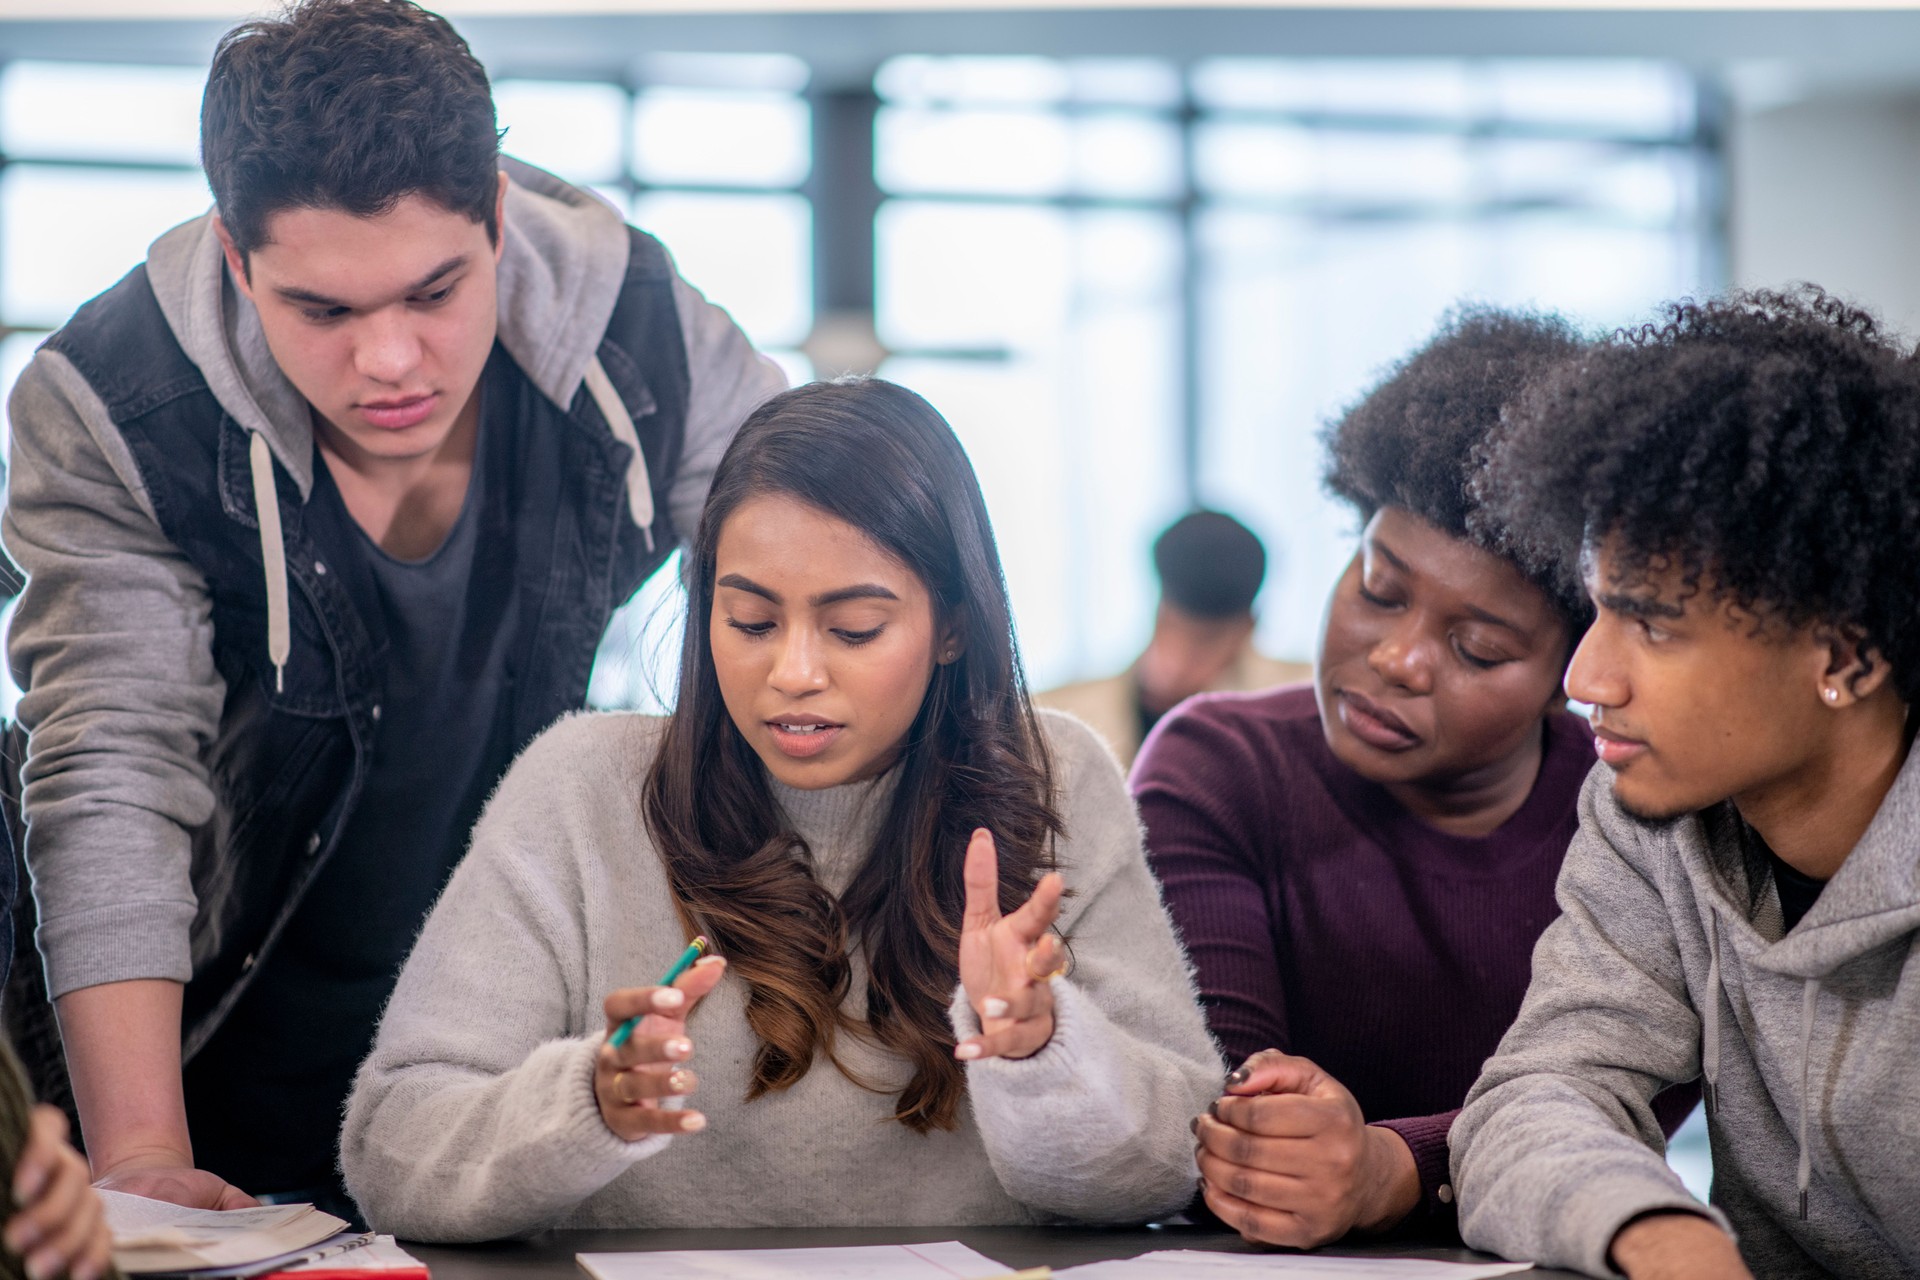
x=897, y=863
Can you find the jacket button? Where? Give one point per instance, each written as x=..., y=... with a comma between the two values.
x=320, y=567
x=1444, y=1194
x=246, y=964
x=376, y=711
x=313, y=843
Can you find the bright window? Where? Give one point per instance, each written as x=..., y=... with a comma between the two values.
x=1060, y=234
x=1343, y=211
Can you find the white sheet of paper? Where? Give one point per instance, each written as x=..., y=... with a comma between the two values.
x=949, y=1260
x=1189, y=1264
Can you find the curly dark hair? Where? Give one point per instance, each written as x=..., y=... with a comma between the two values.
x=351, y=105
x=1413, y=440
x=1769, y=442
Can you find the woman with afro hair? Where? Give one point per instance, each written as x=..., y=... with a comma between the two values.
x=1360, y=867
x=1741, y=486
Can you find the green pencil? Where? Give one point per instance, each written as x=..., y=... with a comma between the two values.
x=695, y=949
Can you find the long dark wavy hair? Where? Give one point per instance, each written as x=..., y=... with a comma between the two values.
x=883, y=460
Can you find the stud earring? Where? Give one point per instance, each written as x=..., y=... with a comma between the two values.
x=951, y=654
x=1832, y=694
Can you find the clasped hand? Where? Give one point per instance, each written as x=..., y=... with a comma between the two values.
x=1006, y=961
x=1287, y=1158
x=630, y=1082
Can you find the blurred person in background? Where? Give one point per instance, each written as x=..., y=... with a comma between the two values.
x=1210, y=568
x=323, y=511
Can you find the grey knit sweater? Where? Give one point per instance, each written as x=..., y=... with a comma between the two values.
x=474, y=1117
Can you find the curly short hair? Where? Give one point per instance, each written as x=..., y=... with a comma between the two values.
x=350, y=105
x=1413, y=440
x=1769, y=442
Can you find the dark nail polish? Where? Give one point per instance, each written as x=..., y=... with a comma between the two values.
x=1194, y=1125
x=1213, y=1108
x=1238, y=1077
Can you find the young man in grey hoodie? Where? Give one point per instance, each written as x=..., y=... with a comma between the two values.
x=323, y=511
x=1741, y=488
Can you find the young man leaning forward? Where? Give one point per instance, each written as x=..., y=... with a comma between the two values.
x=1742, y=900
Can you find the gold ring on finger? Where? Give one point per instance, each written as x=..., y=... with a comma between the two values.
x=620, y=1088
x=1062, y=964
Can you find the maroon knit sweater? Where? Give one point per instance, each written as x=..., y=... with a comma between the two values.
x=1327, y=921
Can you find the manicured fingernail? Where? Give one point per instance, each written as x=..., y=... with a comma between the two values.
x=669, y=998
x=967, y=1052
x=994, y=1007
x=681, y=1080
x=678, y=1047
x=692, y=1122
x=27, y=1181
x=1238, y=1077
x=1213, y=1108
x=1203, y=1186
x=1194, y=1125
x=707, y=962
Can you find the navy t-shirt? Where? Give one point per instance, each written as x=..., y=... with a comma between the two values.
x=265, y=1096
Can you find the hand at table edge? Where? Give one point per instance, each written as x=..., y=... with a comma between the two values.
x=1286, y=1157
x=1673, y=1244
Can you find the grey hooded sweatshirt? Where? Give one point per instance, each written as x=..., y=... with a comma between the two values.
x=1668, y=964
x=112, y=640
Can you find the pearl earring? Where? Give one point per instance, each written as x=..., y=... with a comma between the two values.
x=1833, y=695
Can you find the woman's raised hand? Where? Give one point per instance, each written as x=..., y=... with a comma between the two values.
x=630, y=1081
x=1005, y=961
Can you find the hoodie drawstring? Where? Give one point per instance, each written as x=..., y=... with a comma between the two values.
x=273, y=547
x=639, y=483
x=273, y=554
x=1809, y=1003
x=1710, y=1052
x=1710, y=1048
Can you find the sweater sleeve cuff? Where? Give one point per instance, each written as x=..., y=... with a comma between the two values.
x=1426, y=1137
x=117, y=944
x=1054, y=1066
x=1611, y=1201
x=1621, y=1211
x=606, y=1152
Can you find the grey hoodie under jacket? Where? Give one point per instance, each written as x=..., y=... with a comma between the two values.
x=1668, y=964
x=112, y=640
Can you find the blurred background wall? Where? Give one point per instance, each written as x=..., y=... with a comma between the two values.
x=1137, y=255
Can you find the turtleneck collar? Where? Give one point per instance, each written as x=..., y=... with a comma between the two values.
x=838, y=823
